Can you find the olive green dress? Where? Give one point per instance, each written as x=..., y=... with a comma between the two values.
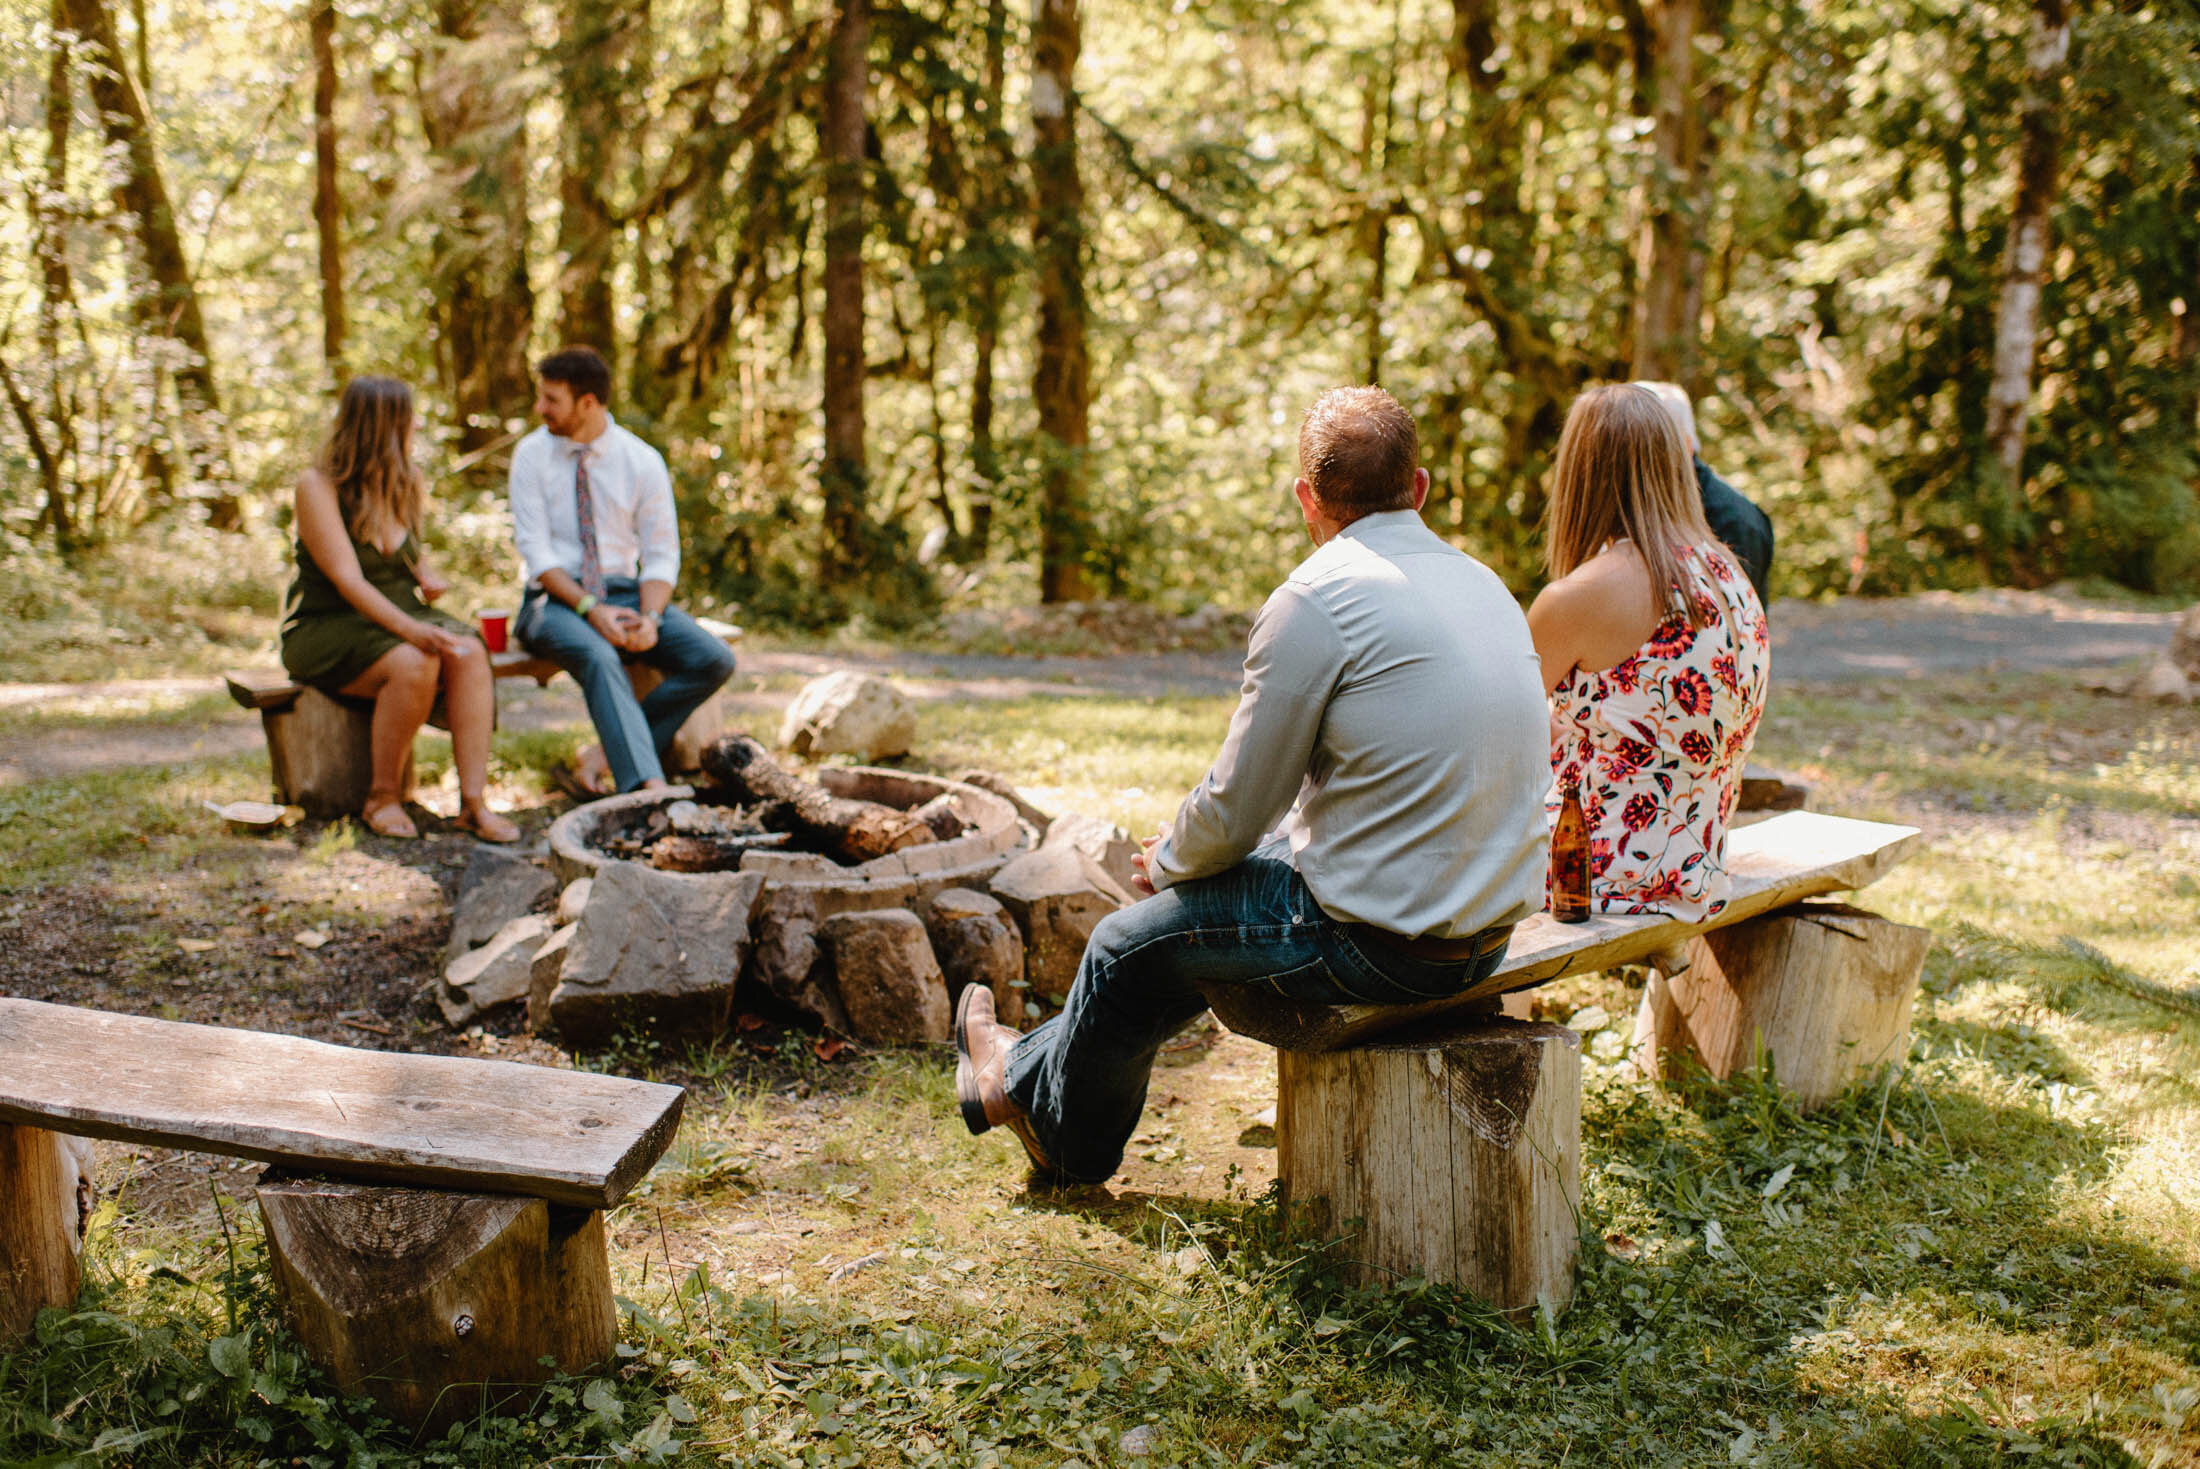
x=326, y=641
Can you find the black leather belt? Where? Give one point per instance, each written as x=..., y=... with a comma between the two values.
x=1433, y=950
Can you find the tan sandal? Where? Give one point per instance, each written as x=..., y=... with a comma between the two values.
x=488, y=826
x=388, y=819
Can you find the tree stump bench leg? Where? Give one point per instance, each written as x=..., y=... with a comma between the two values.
x=320, y=750
x=1822, y=990
x=38, y=1223
x=438, y=1304
x=1459, y=1151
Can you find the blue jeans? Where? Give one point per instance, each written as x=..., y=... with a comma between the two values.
x=1082, y=1074
x=636, y=734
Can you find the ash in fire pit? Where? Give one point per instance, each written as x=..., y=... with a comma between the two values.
x=687, y=836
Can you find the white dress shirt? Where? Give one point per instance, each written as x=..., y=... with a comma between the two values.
x=1392, y=689
x=637, y=531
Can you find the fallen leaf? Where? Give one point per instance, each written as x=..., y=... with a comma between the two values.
x=194, y=946
x=309, y=938
x=827, y=1047
x=1622, y=1248
x=748, y=1021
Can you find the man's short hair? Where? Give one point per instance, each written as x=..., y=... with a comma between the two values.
x=581, y=369
x=1673, y=398
x=1358, y=449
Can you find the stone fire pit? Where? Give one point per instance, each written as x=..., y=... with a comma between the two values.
x=850, y=947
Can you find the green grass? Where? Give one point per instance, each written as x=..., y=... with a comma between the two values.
x=1987, y=1259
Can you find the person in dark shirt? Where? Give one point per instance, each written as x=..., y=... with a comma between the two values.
x=1746, y=530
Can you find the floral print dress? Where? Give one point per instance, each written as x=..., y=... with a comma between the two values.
x=1655, y=746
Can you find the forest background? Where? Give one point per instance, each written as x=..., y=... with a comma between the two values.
x=938, y=303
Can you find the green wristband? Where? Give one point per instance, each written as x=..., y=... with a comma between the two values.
x=588, y=600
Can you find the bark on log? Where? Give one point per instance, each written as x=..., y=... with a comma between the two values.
x=1459, y=1151
x=850, y=831
x=38, y=1223
x=320, y=752
x=1822, y=991
x=438, y=1305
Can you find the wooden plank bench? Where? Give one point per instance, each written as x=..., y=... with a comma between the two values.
x=462, y=1238
x=319, y=745
x=1452, y=1133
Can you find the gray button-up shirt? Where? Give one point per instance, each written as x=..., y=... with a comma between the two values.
x=1394, y=706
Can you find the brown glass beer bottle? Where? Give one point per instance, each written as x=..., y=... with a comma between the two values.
x=1570, y=862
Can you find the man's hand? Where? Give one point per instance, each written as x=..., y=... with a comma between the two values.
x=641, y=634
x=615, y=625
x=1139, y=859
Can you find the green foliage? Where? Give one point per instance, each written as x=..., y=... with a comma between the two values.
x=1280, y=197
x=165, y=1370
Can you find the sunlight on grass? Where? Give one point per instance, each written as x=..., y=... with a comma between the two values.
x=1987, y=1258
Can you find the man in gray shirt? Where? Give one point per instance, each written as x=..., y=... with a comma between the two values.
x=1393, y=717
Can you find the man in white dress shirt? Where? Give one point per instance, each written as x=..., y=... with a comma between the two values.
x=1392, y=716
x=593, y=515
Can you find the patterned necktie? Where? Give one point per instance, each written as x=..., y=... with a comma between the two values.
x=585, y=507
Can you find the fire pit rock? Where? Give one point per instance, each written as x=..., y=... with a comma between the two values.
x=661, y=950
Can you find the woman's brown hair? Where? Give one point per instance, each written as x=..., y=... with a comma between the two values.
x=1623, y=473
x=367, y=458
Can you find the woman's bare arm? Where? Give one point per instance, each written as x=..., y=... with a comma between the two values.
x=321, y=530
x=1593, y=618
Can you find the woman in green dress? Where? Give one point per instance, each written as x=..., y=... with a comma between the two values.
x=357, y=623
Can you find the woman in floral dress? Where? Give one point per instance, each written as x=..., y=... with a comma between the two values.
x=1655, y=650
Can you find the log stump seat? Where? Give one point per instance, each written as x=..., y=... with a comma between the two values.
x=1452, y=1133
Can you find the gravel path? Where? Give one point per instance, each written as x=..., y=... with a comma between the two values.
x=1844, y=641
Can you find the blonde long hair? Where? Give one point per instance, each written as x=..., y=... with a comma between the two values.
x=368, y=458
x=1623, y=472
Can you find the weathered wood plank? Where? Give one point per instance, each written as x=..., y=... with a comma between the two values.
x=572, y=1137
x=261, y=688
x=1796, y=855
x=517, y=662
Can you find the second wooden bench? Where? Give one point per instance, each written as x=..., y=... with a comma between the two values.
x=1453, y=1134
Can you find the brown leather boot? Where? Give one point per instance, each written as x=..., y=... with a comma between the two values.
x=982, y=1045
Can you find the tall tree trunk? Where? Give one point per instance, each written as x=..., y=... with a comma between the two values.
x=56, y=293
x=144, y=39
x=142, y=194
x=1669, y=254
x=847, y=80
x=1374, y=222
x=1061, y=383
x=2024, y=258
x=985, y=310
x=596, y=43
x=473, y=109
x=49, y=467
x=328, y=202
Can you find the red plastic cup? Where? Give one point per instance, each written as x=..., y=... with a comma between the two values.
x=493, y=626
